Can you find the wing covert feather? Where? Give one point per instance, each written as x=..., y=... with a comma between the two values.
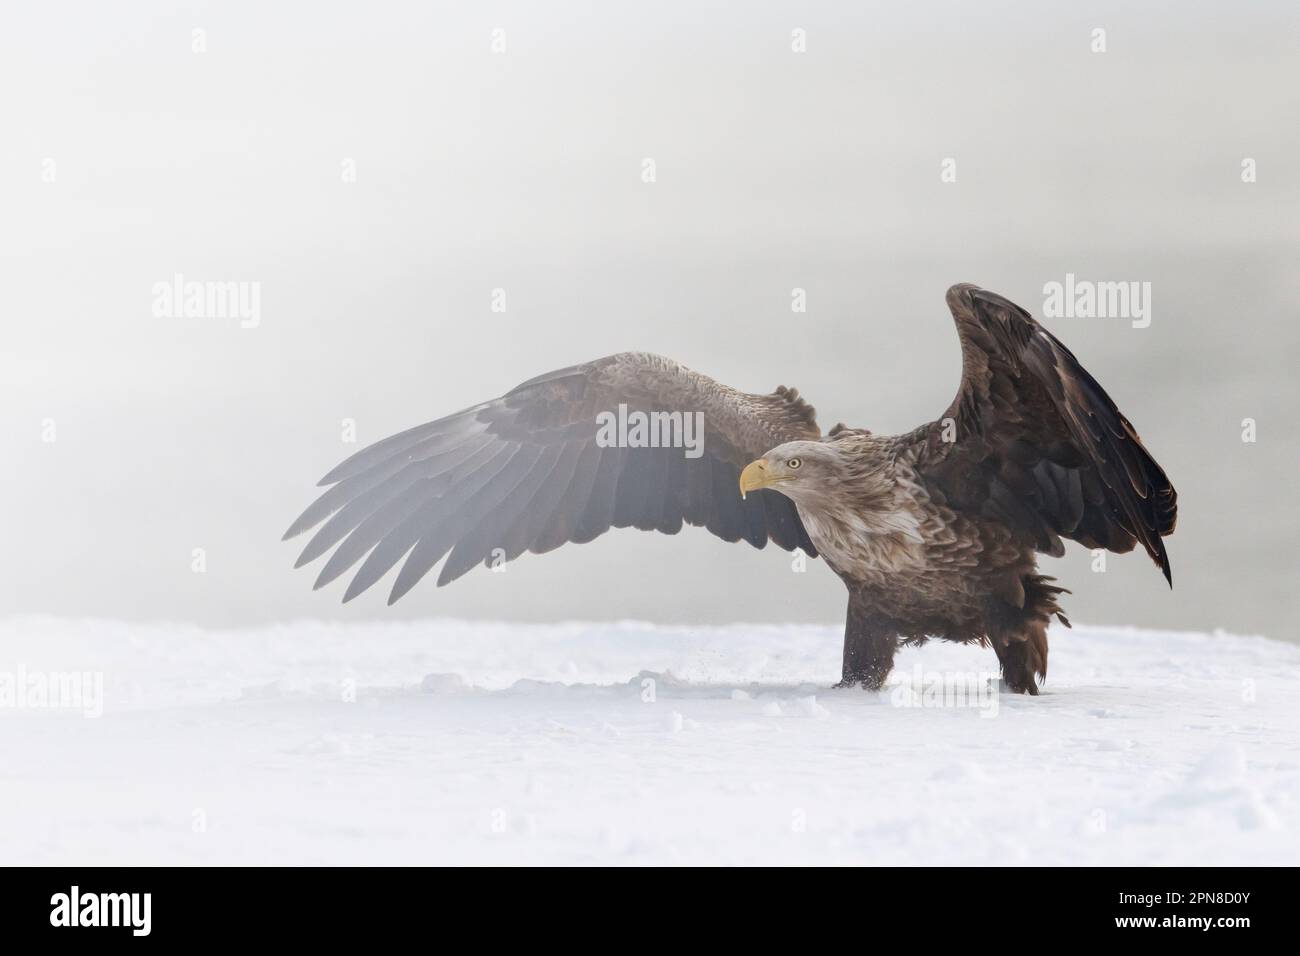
x=526, y=472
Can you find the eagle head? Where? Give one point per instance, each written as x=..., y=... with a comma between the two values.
x=800, y=470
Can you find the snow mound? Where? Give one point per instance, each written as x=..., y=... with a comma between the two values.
x=458, y=742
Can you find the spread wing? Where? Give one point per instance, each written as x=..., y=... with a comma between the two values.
x=543, y=465
x=1035, y=443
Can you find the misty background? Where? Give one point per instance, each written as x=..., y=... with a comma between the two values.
x=129, y=157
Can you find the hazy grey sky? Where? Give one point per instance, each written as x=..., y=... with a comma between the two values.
x=129, y=158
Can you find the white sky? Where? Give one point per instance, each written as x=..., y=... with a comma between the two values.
x=522, y=171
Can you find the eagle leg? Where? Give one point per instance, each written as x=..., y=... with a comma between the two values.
x=869, y=646
x=1023, y=660
x=1019, y=635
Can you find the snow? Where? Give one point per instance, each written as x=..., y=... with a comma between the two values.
x=626, y=743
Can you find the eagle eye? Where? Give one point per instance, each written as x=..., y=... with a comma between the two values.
x=793, y=463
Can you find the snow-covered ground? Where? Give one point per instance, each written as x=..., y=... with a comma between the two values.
x=454, y=742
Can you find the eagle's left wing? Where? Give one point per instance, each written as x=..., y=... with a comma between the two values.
x=531, y=470
x=1032, y=441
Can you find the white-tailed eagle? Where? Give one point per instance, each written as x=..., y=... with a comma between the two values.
x=935, y=532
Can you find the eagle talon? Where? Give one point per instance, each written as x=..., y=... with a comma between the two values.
x=866, y=683
x=1018, y=687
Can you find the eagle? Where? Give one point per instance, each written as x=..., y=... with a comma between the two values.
x=935, y=532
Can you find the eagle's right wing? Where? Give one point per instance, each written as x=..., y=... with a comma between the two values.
x=1033, y=441
x=529, y=472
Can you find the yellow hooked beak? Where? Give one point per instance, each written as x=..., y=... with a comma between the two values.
x=755, y=476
